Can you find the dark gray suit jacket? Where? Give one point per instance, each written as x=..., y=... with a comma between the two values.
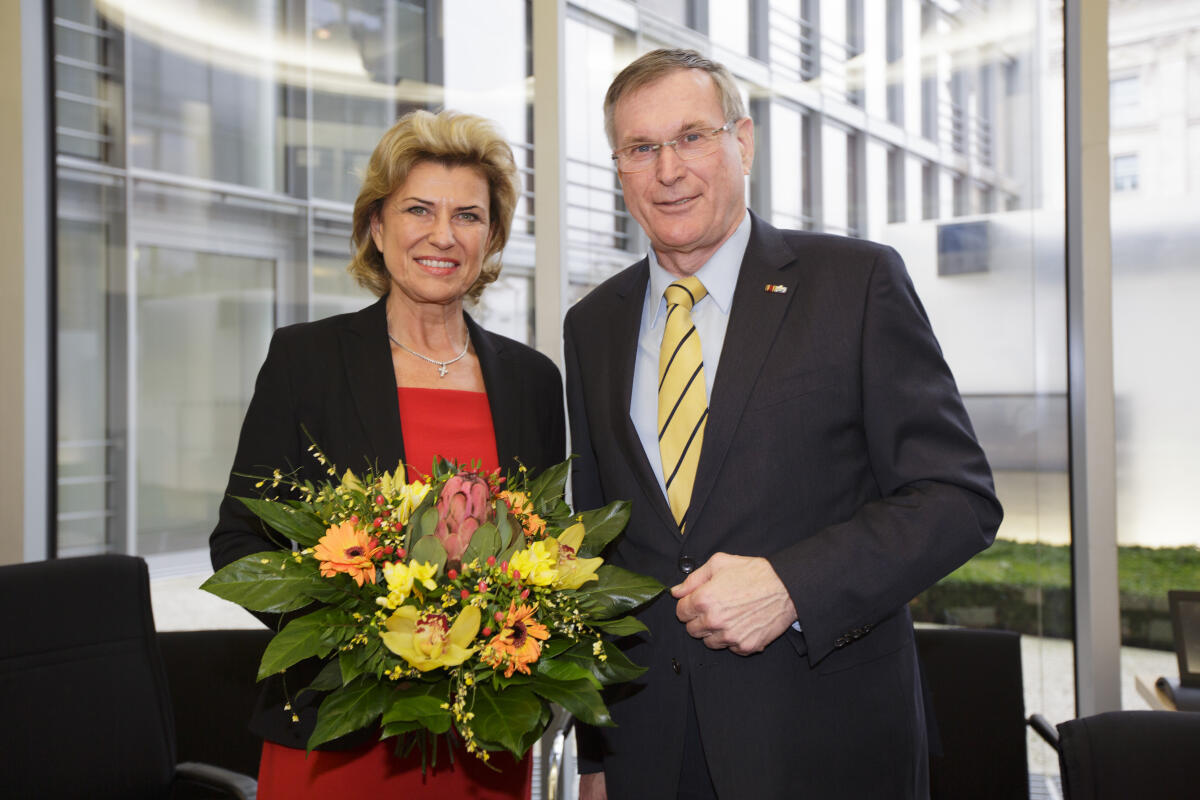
x=838, y=448
x=334, y=378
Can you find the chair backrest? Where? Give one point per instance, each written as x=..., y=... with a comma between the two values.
x=975, y=687
x=213, y=692
x=1122, y=754
x=83, y=696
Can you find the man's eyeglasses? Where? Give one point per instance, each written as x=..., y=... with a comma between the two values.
x=690, y=145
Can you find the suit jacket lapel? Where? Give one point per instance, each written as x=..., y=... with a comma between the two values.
x=626, y=324
x=754, y=321
x=367, y=357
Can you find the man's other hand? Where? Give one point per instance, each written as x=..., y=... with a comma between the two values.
x=734, y=602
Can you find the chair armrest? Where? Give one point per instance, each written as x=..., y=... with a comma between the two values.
x=230, y=783
x=1044, y=729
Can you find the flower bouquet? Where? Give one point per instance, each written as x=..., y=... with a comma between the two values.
x=463, y=604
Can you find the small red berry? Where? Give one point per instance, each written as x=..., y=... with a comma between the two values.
x=465, y=594
x=499, y=615
x=491, y=561
x=524, y=593
x=452, y=574
x=487, y=631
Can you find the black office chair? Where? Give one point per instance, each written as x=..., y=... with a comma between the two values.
x=212, y=678
x=84, y=705
x=977, y=694
x=1124, y=754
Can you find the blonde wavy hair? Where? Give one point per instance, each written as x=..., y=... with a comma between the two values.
x=450, y=138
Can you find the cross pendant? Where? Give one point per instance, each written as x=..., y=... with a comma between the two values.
x=442, y=370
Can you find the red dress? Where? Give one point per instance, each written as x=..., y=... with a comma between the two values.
x=457, y=426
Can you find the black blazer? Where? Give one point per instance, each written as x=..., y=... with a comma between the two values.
x=334, y=378
x=837, y=447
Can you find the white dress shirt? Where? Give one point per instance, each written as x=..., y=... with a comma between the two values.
x=710, y=316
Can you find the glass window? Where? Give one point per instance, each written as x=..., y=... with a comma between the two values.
x=787, y=167
x=1125, y=172
x=204, y=321
x=205, y=91
x=1155, y=291
x=729, y=25
x=1124, y=100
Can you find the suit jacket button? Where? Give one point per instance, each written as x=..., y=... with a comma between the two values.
x=686, y=564
x=675, y=666
x=841, y=641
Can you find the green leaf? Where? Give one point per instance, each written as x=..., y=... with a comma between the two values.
x=426, y=523
x=270, y=581
x=616, y=668
x=421, y=703
x=565, y=670
x=349, y=709
x=429, y=549
x=616, y=592
x=314, y=634
x=399, y=729
x=546, y=489
x=504, y=525
x=328, y=679
x=357, y=660
x=301, y=526
x=484, y=542
x=507, y=718
x=578, y=696
x=601, y=526
x=622, y=626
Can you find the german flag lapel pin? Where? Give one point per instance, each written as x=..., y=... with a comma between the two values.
x=775, y=288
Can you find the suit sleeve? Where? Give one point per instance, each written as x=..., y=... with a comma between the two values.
x=587, y=493
x=936, y=506
x=269, y=439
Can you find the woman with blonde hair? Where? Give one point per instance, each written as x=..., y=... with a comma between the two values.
x=406, y=380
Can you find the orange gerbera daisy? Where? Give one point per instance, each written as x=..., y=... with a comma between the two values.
x=345, y=549
x=516, y=646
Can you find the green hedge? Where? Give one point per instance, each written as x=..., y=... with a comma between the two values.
x=1026, y=588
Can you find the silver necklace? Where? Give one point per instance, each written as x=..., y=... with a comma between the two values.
x=441, y=365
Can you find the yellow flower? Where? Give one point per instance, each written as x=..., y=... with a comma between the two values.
x=344, y=549
x=351, y=482
x=410, y=496
x=538, y=563
x=574, y=572
x=516, y=646
x=400, y=578
x=427, y=641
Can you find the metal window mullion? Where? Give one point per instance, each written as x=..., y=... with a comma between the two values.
x=1090, y=361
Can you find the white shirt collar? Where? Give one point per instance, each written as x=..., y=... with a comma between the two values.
x=719, y=274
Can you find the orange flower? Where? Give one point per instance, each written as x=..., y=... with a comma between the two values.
x=522, y=509
x=516, y=646
x=344, y=549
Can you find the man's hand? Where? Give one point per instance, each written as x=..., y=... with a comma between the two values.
x=735, y=602
x=592, y=786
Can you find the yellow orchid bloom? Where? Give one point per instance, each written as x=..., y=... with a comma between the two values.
x=427, y=641
x=410, y=496
x=538, y=563
x=573, y=572
x=400, y=578
x=351, y=482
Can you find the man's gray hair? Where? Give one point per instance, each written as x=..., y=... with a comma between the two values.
x=648, y=68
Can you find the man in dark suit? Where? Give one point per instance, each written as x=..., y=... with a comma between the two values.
x=826, y=474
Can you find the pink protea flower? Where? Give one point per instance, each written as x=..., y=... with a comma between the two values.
x=462, y=507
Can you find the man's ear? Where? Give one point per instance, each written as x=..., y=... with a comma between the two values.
x=745, y=138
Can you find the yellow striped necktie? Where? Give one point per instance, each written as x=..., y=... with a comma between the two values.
x=682, y=397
